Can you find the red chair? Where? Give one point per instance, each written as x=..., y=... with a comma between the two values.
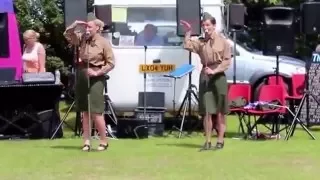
x=298, y=85
x=239, y=91
x=269, y=93
x=272, y=80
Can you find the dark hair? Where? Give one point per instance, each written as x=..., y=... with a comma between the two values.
x=152, y=27
x=212, y=20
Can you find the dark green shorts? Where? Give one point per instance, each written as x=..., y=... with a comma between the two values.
x=95, y=91
x=213, y=92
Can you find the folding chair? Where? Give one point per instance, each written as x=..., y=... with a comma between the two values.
x=268, y=93
x=298, y=86
x=272, y=80
x=240, y=91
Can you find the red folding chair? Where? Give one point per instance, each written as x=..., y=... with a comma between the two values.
x=272, y=80
x=268, y=93
x=298, y=85
x=240, y=91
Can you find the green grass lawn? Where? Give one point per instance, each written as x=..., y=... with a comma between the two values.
x=162, y=159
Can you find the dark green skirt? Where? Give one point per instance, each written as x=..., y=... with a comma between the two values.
x=213, y=92
x=96, y=89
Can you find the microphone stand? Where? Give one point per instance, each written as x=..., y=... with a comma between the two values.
x=234, y=57
x=145, y=85
x=88, y=96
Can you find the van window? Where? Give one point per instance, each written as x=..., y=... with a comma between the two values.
x=146, y=26
x=4, y=35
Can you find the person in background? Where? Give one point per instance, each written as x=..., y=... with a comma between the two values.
x=97, y=59
x=34, y=54
x=215, y=55
x=149, y=37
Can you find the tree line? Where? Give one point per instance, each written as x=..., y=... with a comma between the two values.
x=47, y=18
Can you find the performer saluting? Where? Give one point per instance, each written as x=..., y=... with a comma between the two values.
x=215, y=55
x=97, y=51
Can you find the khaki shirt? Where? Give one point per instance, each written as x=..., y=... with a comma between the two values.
x=97, y=51
x=214, y=52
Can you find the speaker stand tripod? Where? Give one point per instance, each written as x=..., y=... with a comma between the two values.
x=296, y=120
x=187, y=102
x=78, y=116
x=306, y=96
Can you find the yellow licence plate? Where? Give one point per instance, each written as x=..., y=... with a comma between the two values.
x=156, y=68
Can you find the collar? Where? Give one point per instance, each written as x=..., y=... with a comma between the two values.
x=95, y=37
x=212, y=37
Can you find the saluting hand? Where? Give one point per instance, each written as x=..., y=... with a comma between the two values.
x=91, y=72
x=80, y=22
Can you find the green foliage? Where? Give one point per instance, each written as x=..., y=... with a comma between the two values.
x=47, y=18
x=54, y=63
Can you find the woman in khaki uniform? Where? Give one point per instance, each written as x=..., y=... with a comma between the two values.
x=215, y=54
x=96, y=60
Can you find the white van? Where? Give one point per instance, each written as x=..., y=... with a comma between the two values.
x=126, y=80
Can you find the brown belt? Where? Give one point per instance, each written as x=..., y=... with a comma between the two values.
x=85, y=65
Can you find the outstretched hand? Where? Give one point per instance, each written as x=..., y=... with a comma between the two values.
x=186, y=25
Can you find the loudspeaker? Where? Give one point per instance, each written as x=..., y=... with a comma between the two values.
x=190, y=11
x=278, y=31
x=4, y=36
x=236, y=16
x=153, y=100
x=132, y=128
x=103, y=12
x=310, y=21
x=75, y=10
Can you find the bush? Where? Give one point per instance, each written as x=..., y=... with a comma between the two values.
x=54, y=63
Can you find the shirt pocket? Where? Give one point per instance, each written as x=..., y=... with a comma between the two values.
x=217, y=51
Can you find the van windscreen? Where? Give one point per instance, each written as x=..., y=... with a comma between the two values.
x=4, y=36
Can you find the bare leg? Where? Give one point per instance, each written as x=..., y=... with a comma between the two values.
x=101, y=126
x=86, y=131
x=221, y=127
x=85, y=128
x=207, y=124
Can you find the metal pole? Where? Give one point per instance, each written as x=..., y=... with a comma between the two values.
x=145, y=86
x=234, y=57
x=189, y=88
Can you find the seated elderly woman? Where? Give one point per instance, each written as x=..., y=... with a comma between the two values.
x=34, y=53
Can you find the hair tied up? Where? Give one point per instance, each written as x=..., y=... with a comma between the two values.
x=37, y=35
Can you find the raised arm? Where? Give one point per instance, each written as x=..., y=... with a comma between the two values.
x=191, y=44
x=108, y=57
x=226, y=59
x=70, y=34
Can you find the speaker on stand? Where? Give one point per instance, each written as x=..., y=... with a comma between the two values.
x=275, y=20
x=189, y=11
x=75, y=10
x=236, y=14
x=310, y=21
x=309, y=26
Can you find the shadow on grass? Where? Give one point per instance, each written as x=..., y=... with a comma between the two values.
x=67, y=147
x=184, y=145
